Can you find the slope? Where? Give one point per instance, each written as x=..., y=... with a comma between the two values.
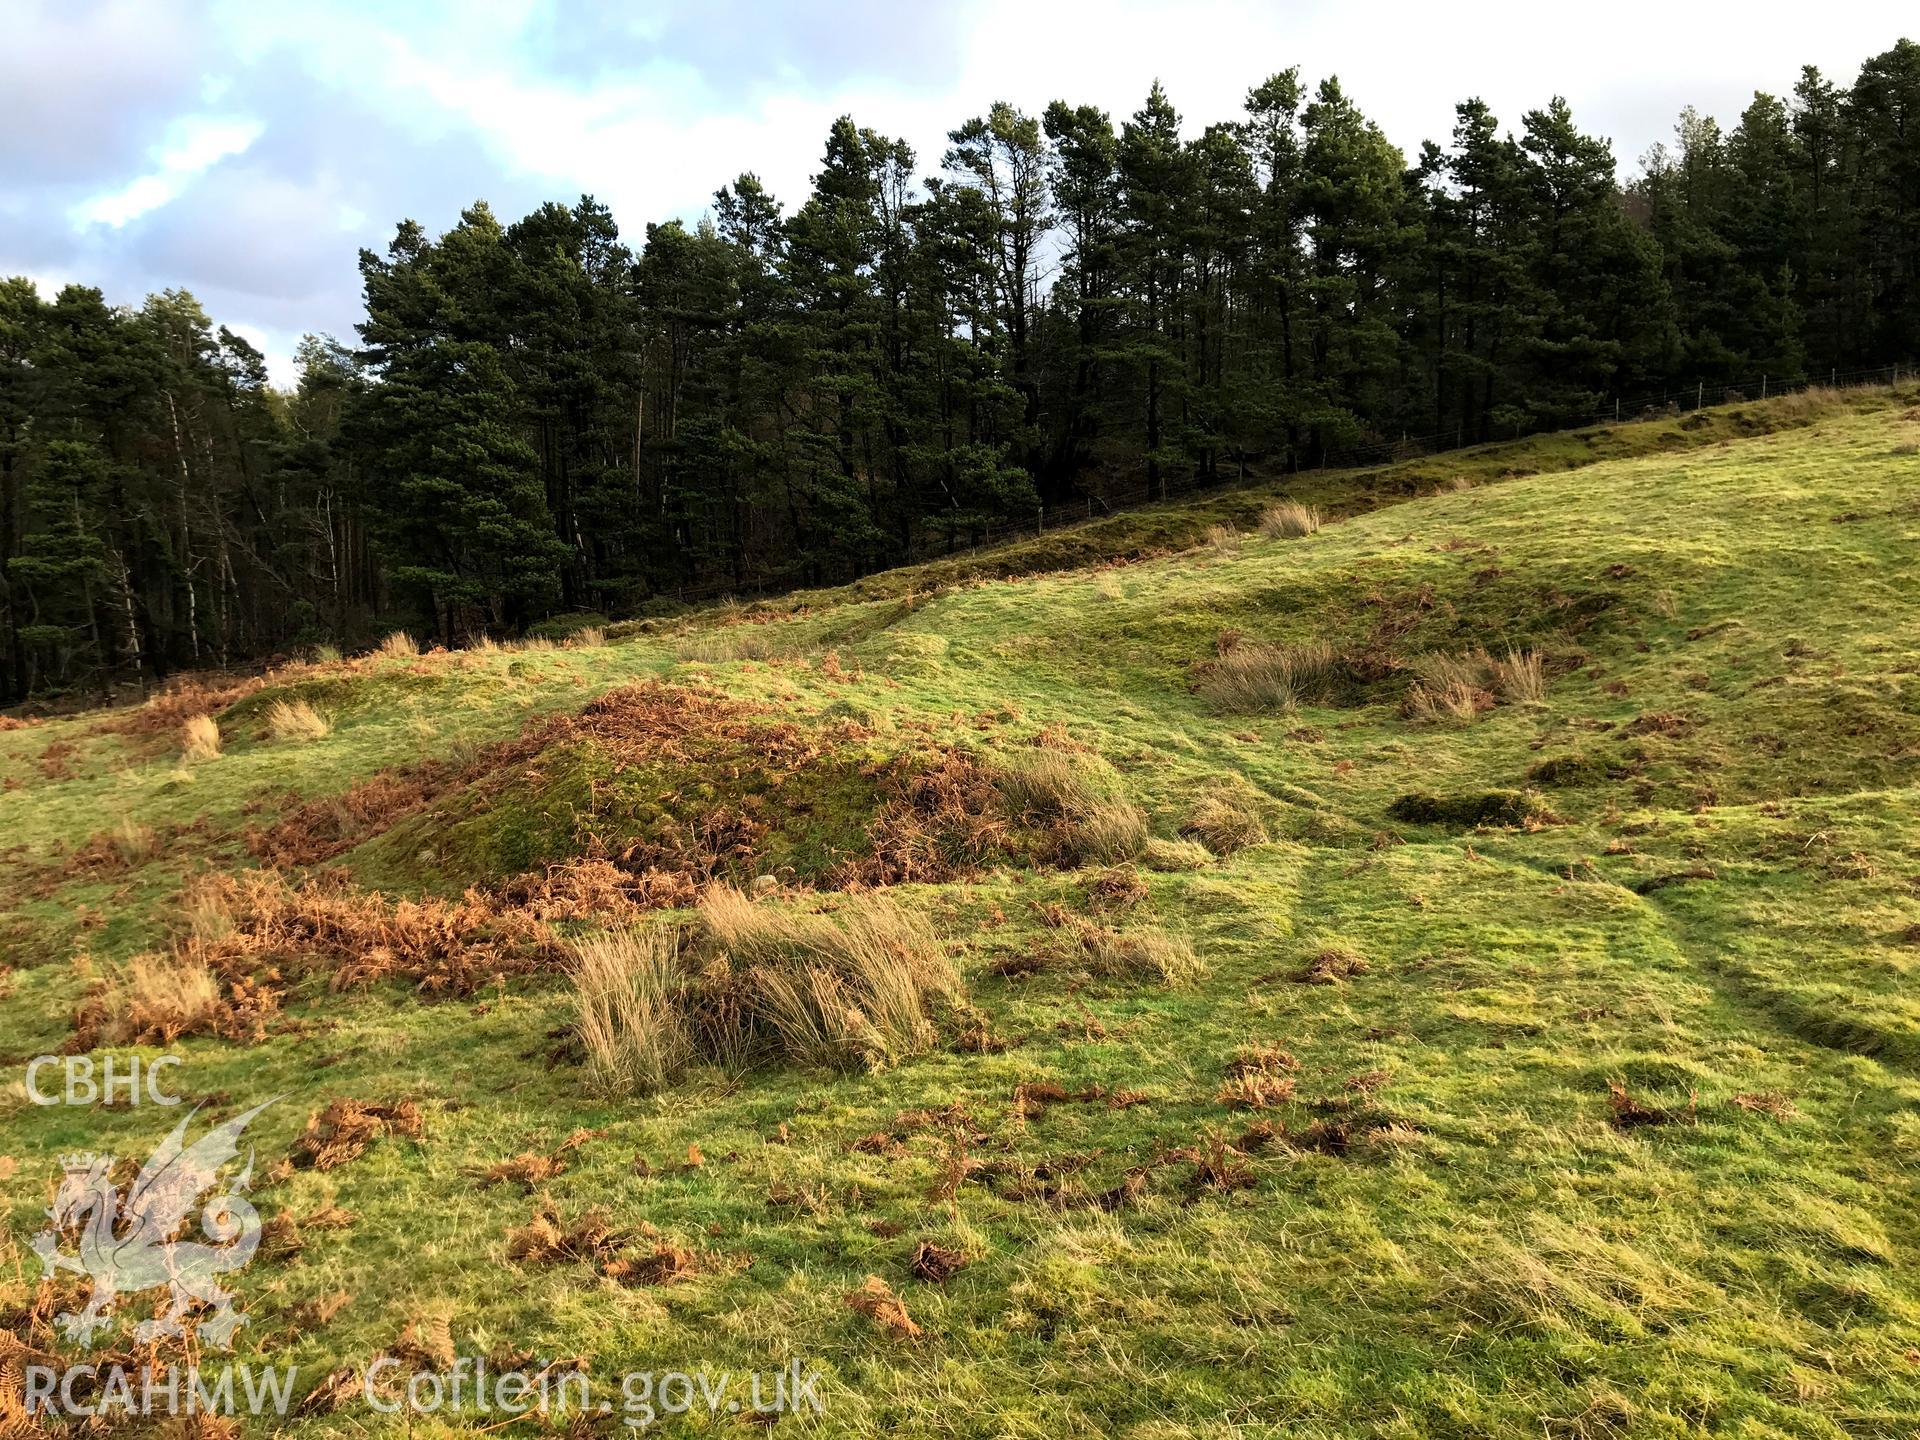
x=1545, y=1062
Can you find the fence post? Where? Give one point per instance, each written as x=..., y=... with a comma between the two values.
x=1699, y=394
x=1763, y=387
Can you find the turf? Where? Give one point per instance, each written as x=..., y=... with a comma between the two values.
x=1601, y=1046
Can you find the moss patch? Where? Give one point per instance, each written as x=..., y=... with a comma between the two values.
x=1466, y=809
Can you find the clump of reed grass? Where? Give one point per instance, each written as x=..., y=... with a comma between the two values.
x=1138, y=954
x=296, y=721
x=1452, y=688
x=857, y=987
x=1288, y=520
x=1222, y=539
x=1223, y=824
x=1076, y=799
x=200, y=738
x=159, y=998
x=1252, y=676
x=630, y=1011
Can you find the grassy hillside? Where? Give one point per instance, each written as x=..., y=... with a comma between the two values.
x=1514, y=1035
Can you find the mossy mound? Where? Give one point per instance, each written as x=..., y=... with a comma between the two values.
x=565, y=627
x=715, y=812
x=1467, y=809
x=668, y=782
x=349, y=691
x=1568, y=772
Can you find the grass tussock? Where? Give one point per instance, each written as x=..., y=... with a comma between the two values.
x=1172, y=857
x=1139, y=954
x=134, y=843
x=726, y=643
x=1288, y=520
x=125, y=845
x=155, y=1000
x=858, y=987
x=1803, y=406
x=484, y=644
x=1047, y=783
x=587, y=637
x=1105, y=834
x=1224, y=824
x=296, y=722
x=397, y=646
x=1452, y=689
x=1075, y=801
x=1253, y=676
x=200, y=738
x=1222, y=539
x=630, y=1011
x=1520, y=678
x=1448, y=689
x=855, y=987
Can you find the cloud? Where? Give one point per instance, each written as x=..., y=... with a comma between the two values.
x=248, y=151
x=200, y=142
x=747, y=49
x=88, y=85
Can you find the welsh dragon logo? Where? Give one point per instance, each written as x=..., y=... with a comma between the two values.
x=134, y=1243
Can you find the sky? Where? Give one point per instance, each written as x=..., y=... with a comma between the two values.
x=247, y=151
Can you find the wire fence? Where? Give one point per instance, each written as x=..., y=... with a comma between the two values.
x=1107, y=501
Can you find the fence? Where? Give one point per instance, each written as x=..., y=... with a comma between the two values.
x=1108, y=501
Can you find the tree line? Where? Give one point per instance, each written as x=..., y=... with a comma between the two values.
x=541, y=420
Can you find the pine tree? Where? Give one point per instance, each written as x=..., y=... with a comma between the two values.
x=65, y=571
x=1352, y=197
x=1004, y=156
x=1596, y=276
x=1156, y=177
x=1267, y=395
x=21, y=384
x=574, y=362
x=1085, y=302
x=1884, y=114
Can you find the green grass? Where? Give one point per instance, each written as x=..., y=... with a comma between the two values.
x=1712, y=898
